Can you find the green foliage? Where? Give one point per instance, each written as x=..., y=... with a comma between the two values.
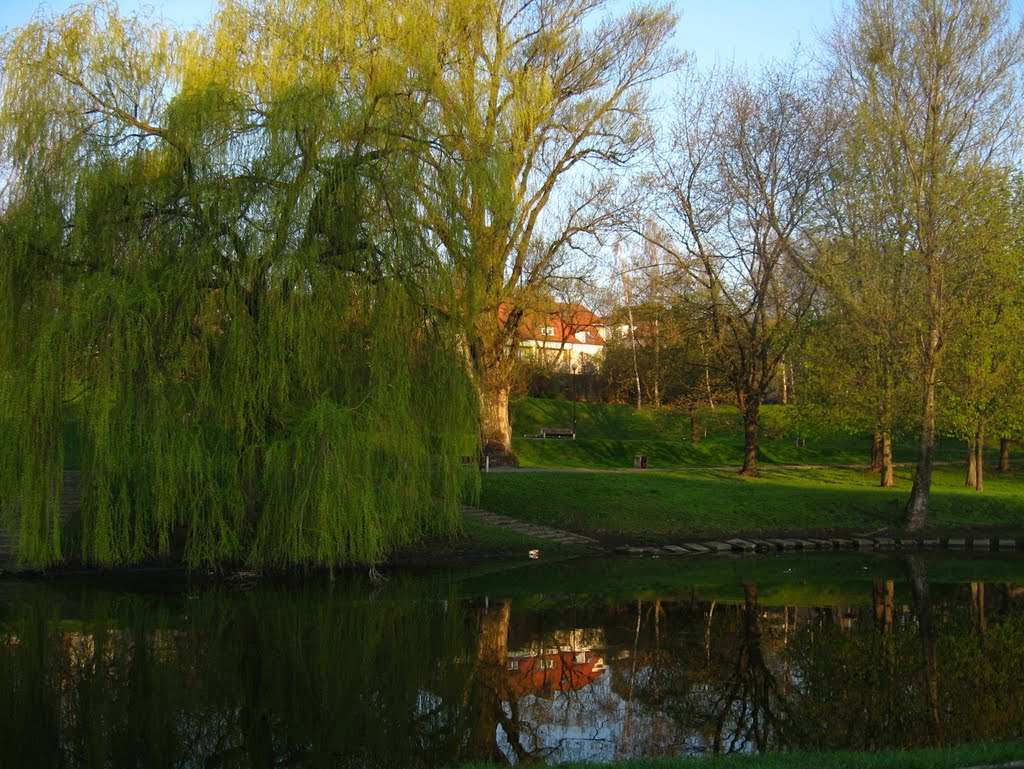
x=201, y=269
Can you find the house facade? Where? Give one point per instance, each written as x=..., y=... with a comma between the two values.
x=567, y=336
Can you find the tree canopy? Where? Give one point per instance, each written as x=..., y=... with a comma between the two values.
x=207, y=266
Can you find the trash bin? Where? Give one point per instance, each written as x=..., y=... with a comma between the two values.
x=640, y=462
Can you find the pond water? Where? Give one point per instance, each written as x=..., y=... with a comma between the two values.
x=521, y=663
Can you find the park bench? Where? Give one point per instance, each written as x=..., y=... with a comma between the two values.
x=557, y=432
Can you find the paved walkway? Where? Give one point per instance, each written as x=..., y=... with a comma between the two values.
x=530, y=529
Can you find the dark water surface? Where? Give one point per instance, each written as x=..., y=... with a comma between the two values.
x=541, y=662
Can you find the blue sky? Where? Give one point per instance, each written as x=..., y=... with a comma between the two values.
x=750, y=32
x=183, y=13
x=747, y=32
x=744, y=31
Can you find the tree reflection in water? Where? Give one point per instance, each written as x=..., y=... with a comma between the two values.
x=415, y=677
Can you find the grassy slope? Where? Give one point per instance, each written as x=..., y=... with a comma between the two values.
x=609, y=435
x=660, y=505
x=656, y=505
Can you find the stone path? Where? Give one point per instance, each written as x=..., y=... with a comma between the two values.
x=530, y=529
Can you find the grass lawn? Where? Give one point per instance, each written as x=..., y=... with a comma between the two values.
x=608, y=436
x=657, y=506
x=951, y=758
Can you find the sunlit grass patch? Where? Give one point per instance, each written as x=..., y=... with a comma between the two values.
x=660, y=504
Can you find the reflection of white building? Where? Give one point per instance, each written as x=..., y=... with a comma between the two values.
x=568, y=335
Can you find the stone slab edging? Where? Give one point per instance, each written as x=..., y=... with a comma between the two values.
x=786, y=544
x=748, y=544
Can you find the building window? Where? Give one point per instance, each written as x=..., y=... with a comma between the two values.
x=548, y=331
x=547, y=664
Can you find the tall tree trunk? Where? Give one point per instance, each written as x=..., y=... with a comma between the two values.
x=751, y=433
x=707, y=377
x=887, y=472
x=785, y=384
x=917, y=508
x=876, y=452
x=632, y=338
x=979, y=456
x=657, y=364
x=495, y=427
x=972, y=464
x=1004, y=455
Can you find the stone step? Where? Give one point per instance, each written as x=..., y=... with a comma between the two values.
x=677, y=550
x=696, y=547
x=629, y=550
x=741, y=545
x=718, y=547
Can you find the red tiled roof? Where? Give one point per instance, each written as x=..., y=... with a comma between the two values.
x=563, y=324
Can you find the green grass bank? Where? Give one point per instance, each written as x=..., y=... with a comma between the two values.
x=692, y=489
x=655, y=506
x=608, y=436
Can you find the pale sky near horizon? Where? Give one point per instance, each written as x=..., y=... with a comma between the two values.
x=747, y=32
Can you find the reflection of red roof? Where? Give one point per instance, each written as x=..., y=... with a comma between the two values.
x=561, y=672
x=562, y=325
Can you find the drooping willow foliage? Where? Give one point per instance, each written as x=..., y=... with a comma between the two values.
x=208, y=264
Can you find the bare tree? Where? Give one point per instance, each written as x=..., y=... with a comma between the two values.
x=741, y=185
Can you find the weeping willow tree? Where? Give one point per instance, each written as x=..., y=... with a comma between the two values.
x=208, y=264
